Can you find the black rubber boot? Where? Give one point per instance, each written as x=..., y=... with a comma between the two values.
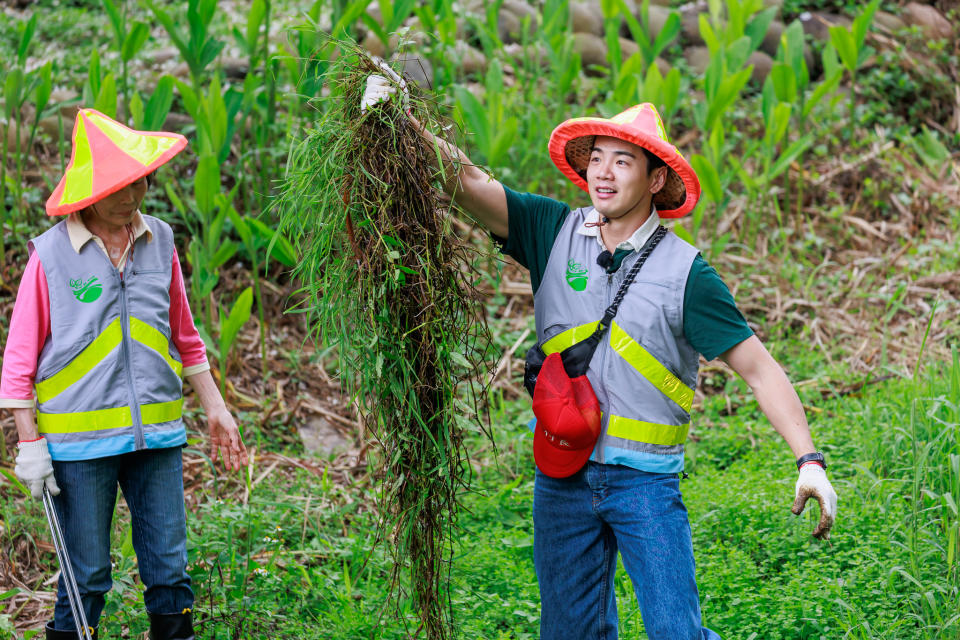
x=171, y=626
x=55, y=634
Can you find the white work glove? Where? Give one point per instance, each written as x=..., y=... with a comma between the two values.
x=381, y=87
x=813, y=482
x=35, y=468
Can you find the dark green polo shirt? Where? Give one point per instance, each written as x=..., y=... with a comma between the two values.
x=712, y=324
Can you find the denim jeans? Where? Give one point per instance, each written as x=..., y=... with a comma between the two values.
x=152, y=485
x=582, y=521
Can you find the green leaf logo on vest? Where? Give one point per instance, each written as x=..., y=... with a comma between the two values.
x=576, y=276
x=86, y=291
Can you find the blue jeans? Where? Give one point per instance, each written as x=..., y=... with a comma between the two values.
x=152, y=485
x=580, y=522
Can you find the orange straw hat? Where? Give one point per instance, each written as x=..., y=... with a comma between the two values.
x=106, y=157
x=572, y=141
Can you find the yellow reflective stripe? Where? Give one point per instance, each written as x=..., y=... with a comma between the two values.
x=150, y=337
x=145, y=149
x=569, y=337
x=108, y=418
x=651, y=369
x=84, y=420
x=161, y=411
x=649, y=432
x=78, y=181
x=87, y=359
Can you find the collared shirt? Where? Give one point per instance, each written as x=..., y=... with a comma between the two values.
x=79, y=235
x=634, y=242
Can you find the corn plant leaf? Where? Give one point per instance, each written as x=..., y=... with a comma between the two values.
x=133, y=43
x=116, y=20
x=709, y=35
x=158, y=106
x=789, y=154
x=737, y=53
x=12, y=88
x=784, y=82
x=670, y=29
x=26, y=37
x=375, y=27
x=846, y=47
x=709, y=178
x=171, y=28
x=206, y=183
x=278, y=247
x=224, y=252
x=474, y=116
x=828, y=84
x=861, y=24
x=15, y=481
x=727, y=92
x=255, y=19
x=44, y=87
x=758, y=27
x=106, y=101
x=238, y=316
x=792, y=48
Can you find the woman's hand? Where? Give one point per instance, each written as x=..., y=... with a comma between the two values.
x=225, y=440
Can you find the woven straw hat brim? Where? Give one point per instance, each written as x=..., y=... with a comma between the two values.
x=571, y=143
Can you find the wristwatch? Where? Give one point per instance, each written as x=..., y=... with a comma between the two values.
x=811, y=457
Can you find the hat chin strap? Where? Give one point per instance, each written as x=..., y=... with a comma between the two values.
x=605, y=219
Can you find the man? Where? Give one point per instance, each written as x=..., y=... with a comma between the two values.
x=622, y=491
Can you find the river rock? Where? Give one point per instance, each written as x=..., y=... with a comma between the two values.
x=585, y=20
x=817, y=25
x=592, y=50
x=771, y=40
x=658, y=18
x=930, y=21
x=509, y=25
x=10, y=132
x=159, y=57
x=888, y=22
x=374, y=45
x=663, y=66
x=762, y=64
x=471, y=59
x=628, y=48
x=234, y=68
x=690, y=19
x=417, y=68
x=698, y=58
x=320, y=437
x=177, y=121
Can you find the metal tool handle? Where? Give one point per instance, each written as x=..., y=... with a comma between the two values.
x=66, y=569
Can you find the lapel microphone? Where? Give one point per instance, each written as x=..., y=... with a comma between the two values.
x=605, y=260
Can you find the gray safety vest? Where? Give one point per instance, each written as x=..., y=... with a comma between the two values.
x=644, y=372
x=108, y=377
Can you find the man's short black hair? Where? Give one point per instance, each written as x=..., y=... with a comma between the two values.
x=653, y=160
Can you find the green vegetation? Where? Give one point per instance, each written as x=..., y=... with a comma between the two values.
x=829, y=206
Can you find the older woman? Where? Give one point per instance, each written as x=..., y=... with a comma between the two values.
x=102, y=334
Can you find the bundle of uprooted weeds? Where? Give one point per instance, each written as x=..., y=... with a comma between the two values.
x=388, y=283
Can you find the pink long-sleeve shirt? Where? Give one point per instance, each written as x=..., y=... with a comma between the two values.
x=30, y=327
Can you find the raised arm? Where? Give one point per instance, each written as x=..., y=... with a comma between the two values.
x=471, y=188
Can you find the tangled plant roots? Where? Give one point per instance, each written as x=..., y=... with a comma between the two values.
x=388, y=282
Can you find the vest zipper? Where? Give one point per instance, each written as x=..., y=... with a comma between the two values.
x=602, y=369
x=139, y=442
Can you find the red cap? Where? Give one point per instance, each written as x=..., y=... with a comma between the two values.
x=568, y=420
